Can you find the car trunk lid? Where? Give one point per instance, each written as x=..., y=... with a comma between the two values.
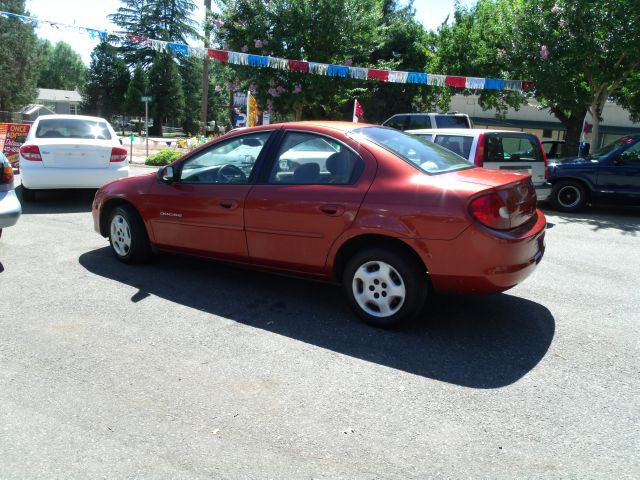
x=76, y=153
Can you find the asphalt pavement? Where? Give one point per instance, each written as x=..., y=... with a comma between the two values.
x=189, y=369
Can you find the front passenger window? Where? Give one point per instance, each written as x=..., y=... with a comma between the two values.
x=231, y=161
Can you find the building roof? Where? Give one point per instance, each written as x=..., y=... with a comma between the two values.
x=50, y=95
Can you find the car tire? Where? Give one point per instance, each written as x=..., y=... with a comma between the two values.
x=385, y=287
x=568, y=196
x=28, y=195
x=128, y=236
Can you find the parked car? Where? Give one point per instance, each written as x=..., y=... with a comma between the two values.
x=610, y=174
x=10, y=209
x=497, y=149
x=412, y=121
x=70, y=151
x=555, y=148
x=390, y=215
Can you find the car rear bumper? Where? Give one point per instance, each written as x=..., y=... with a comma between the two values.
x=10, y=209
x=543, y=191
x=482, y=260
x=43, y=178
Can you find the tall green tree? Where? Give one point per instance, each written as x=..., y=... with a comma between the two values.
x=63, y=68
x=107, y=82
x=138, y=87
x=19, y=58
x=167, y=20
x=328, y=31
x=165, y=86
x=191, y=74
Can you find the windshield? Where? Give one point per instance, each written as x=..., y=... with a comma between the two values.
x=423, y=154
x=621, y=142
x=73, y=128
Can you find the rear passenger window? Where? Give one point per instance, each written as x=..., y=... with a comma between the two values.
x=419, y=121
x=308, y=159
x=399, y=122
x=458, y=144
x=512, y=148
x=452, y=121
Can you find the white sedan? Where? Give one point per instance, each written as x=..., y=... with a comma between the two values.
x=70, y=151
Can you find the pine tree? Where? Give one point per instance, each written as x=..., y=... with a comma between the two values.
x=165, y=87
x=191, y=74
x=138, y=87
x=19, y=58
x=107, y=82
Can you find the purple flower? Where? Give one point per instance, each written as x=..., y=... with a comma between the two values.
x=273, y=92
x=501, y=52
x=218, y=23
x=544, y=52
x=297, y=88
x=218, y=88
x=259, y=44
x=244, y=49
x=280, y=89
x=555, y=9
x=348, y=62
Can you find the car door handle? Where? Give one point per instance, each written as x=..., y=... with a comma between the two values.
x=229, y=204
x=332, y=210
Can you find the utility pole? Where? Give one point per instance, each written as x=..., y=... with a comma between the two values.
x=205, y=70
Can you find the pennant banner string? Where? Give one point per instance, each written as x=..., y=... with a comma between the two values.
x=300, y=66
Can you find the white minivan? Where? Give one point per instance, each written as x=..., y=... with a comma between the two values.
x=496, y=149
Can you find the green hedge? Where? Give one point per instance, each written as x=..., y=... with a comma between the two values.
x=165, y=157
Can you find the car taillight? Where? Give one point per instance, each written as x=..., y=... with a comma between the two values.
x=7, y=174
x=506, y=208
x=31, y=153
x=478, y=160
x=119, y=154
x=546, y=160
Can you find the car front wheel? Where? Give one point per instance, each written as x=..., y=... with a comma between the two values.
x=568, y=196
x=128, y=236
x=385, y=288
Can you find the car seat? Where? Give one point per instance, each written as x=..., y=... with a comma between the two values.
x=307, y=173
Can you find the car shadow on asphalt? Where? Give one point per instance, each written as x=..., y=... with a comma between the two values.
x=58, y=201
x=624, y=219
x=478, y=342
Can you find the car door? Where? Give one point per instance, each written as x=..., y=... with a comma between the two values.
x=202, y=211
x=620, y=174
x=309, y=196
x=517, y=152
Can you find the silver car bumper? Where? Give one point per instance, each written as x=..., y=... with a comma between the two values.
x=543, y=191
x=10, y=209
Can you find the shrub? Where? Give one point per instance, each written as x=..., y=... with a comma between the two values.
x=164, y=157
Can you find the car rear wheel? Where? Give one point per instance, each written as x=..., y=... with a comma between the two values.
x=128, y=236
x=568, y=196
x=28, y=195
x=385, y=288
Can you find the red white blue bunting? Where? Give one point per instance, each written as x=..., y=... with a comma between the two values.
x=298, y=66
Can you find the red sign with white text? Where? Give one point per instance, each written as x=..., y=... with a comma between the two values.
x=12, y=136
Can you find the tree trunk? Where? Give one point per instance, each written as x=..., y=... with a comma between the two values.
x=573, y=124
x=157, y=126
x=297, y=112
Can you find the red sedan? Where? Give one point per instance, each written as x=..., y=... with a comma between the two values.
x=391, y=216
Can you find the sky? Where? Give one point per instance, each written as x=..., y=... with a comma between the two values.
x=93, y=14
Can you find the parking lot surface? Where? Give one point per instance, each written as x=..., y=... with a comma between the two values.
x=188, y=369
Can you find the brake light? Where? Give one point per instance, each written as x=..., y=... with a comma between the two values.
x=546, y=161
x=478, y=161
x=7, y=174
x=118, y=154
x=31, y=153
x=506, y=208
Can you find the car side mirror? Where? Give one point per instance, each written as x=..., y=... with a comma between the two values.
x=166, y=174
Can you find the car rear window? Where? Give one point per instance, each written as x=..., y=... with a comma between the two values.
x=512, y=147
x=419, y=121
x=452, y=121
x=458, y=144
x=398, y=122
x=73, y=128
x=423, y=154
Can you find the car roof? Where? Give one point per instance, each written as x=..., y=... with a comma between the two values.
x=71, y=117
x=459, y=114
x=463, y=131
